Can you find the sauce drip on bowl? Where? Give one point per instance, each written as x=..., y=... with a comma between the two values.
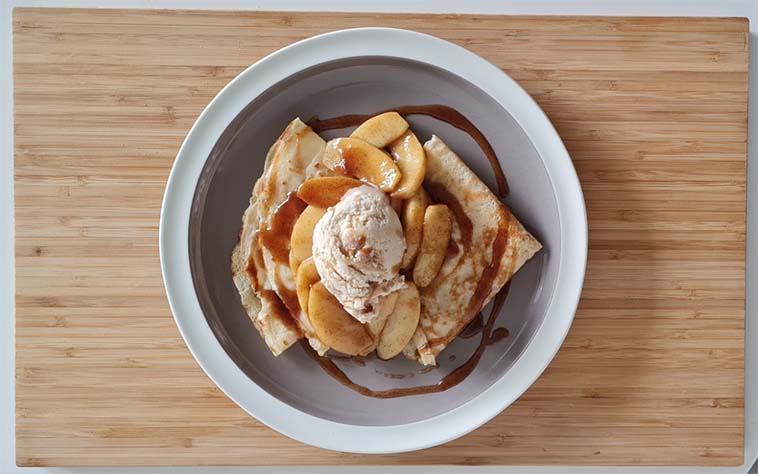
x=450, y=380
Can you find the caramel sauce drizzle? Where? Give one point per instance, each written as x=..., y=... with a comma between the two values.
x=276, y=239
x=452, y=379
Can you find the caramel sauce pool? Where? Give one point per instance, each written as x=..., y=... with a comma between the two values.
x=489, y=335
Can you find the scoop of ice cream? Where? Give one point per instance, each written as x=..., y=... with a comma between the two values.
x=358, y=246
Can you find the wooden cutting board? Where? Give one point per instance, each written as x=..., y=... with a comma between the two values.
x=652, y=110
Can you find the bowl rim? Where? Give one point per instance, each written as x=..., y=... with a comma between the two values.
x=174, y=241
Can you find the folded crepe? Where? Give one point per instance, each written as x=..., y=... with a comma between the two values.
x=265, y=283
x=488, y=245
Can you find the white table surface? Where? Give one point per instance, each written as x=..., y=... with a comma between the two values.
x=733, y=8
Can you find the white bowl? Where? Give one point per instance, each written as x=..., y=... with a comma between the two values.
x=545, y=195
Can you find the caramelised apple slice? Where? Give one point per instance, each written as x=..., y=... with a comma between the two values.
x=307, y=276
x=301, y=240
x=386, y=306
x=396, y=205
x=412, y=219
x=354, y=157
x=327, y=191
x=381, y=130
x=438, y=225
x=334, y=326
x=410, y=158
x=294, y=263
x=401, y=324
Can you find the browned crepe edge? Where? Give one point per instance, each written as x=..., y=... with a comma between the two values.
x=446, y=169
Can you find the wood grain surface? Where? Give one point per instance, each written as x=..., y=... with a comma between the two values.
x=652, y=110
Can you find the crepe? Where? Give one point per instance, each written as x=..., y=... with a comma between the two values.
x=272, y=321
x=483, y=228
x=487, y=246
x=266, y=284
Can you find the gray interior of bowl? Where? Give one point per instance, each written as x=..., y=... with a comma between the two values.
x=366, y=85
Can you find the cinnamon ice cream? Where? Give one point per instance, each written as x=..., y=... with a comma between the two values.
x=358, y=247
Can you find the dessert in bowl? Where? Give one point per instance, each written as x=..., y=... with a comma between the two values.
x=372, y=243
x=467, y=359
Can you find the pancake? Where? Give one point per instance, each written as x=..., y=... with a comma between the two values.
x=488, y=245
x=263, y=278
x=267, y=313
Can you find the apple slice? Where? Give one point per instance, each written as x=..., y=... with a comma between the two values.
x=386, y=306
x=412, y=220
x=334, y=326
x=307, y=276
x=438, y=224
x=382, y=129
x=397, y=206
x=294, y=263
x=401, y=324
x=301, y=240
x=327, y=191
x=356, y=158
x=410, y=158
